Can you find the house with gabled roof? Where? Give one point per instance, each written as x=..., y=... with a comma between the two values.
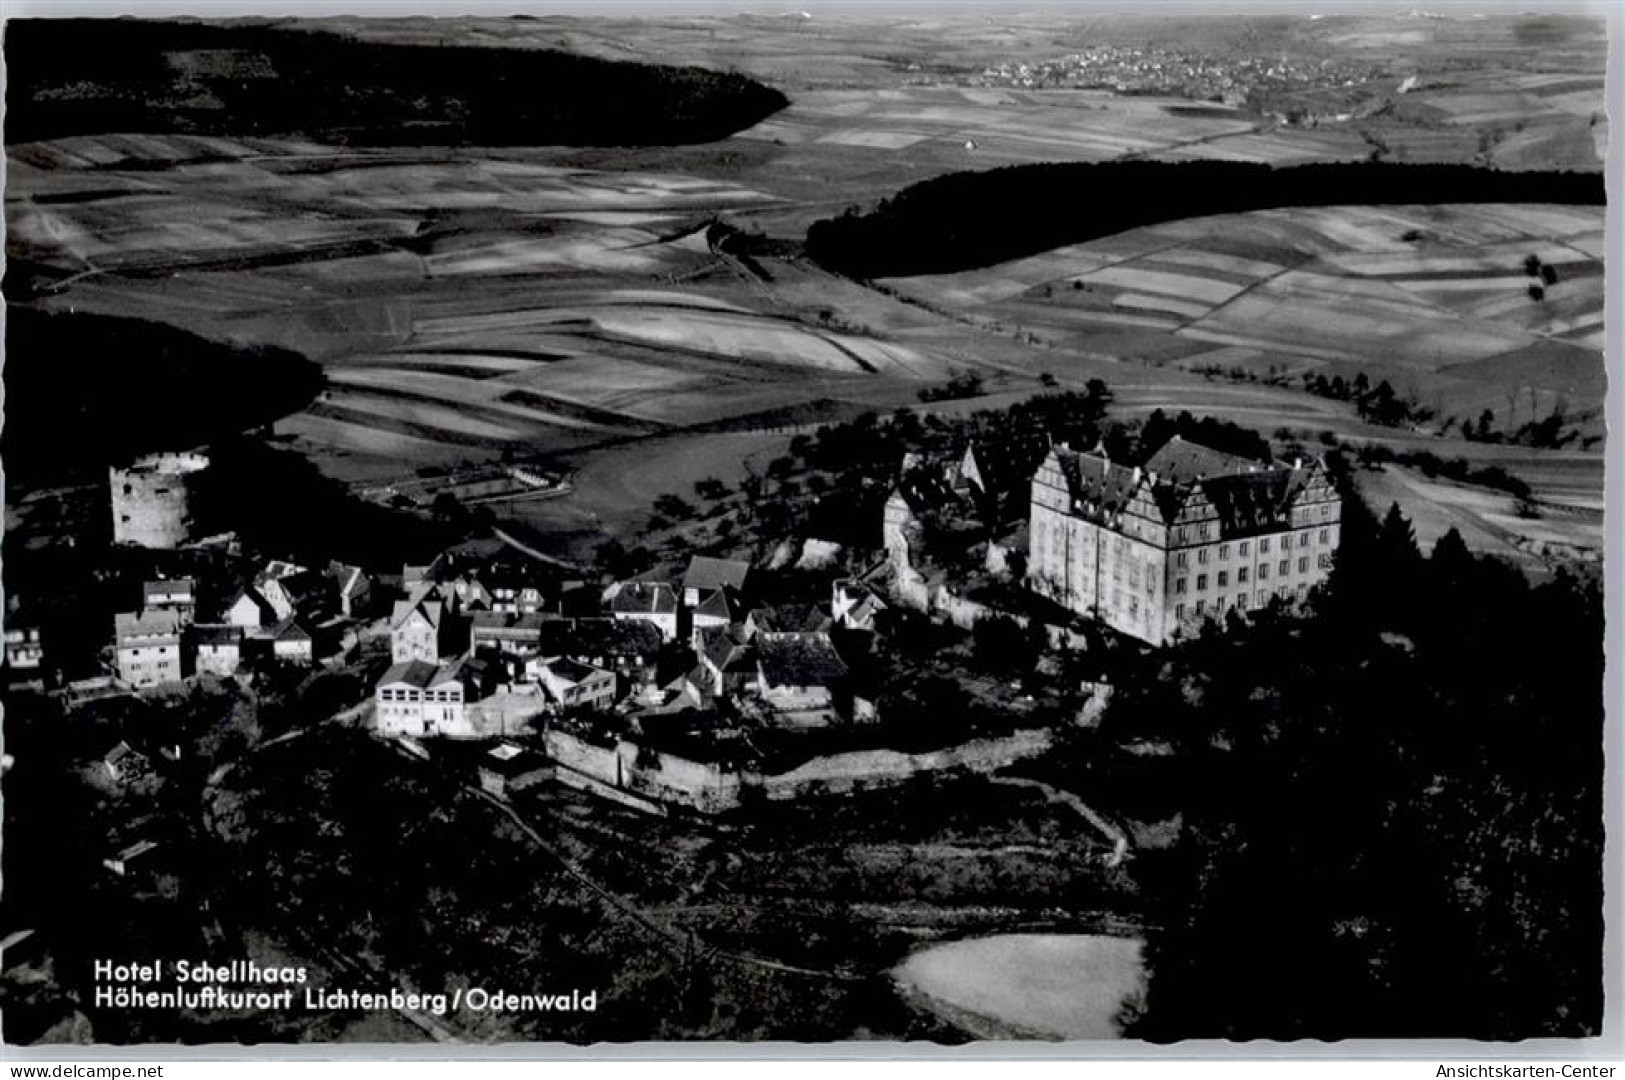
x=148, y=648
x=727, y=663
x=653, y=602
x=781, y=619
x=292, y=642
x=170, y=594
x=352, y=589
x=217, y=648
x=249, y=609
x=707, y=575
x=799, y=674
x=721, y=607
x=854, y=605
x=419, y=699
x=629, y=647
x=423, y=629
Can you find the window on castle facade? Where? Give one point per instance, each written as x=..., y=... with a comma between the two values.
x=1224, y=552
x=1264, y=546
x=1201, y=582
x=1325, y=536
x=1285, y=568
x=1303, y=564
x=1180, y=560
x=1245, y=545
x=1241, y=576
x=1263, y=571
x=1201, y=556
x=1224, y=578
x=1179, y=586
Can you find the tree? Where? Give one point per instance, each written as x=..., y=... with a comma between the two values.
x=1396, y=539
x=673, y=507
x=1003, y=646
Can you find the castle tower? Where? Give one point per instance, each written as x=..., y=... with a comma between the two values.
x=153, y=498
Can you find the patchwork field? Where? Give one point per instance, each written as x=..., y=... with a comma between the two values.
x=1489, y=521
x=1439, y=300
x=467, y=302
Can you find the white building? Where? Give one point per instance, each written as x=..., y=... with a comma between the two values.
x=1155, y=551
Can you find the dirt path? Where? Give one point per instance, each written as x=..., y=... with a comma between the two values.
x=1117, y=837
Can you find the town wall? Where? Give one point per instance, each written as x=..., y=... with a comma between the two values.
x=665, y=778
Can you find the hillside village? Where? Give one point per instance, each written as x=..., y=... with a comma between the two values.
x=1007, y=561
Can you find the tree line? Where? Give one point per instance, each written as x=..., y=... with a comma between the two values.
x=965, y=220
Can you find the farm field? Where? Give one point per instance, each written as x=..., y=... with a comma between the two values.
x=1439, y=300
x=467, y=302
x=1488, y=521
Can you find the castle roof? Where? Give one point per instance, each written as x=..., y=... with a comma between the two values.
x=1246, y=495
x=1180, y=461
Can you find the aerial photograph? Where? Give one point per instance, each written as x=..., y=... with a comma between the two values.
x=802, y=526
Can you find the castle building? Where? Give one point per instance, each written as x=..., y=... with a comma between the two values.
x=1156, y=550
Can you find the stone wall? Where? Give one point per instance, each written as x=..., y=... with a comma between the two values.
x=667, y=779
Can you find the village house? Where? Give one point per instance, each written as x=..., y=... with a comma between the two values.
x=416, y=577
x=707, y=575
x=177, y=595
x=24, y=650
x=352, y=588
x=721, y=607
x=571, y=684
x=854, y=605
x=148, y=648
x=727, y=663
x=630, y=648
x=418, y=698
x=512, y=588
x=423, y=629
x=292, y=643
x=217, y=649
x=652, y=602
x=782, y=619
x=798, y=675
x=506, y=632
x=273, y=583
x=1154, y=551
x=250, y=610
x=466, y=593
